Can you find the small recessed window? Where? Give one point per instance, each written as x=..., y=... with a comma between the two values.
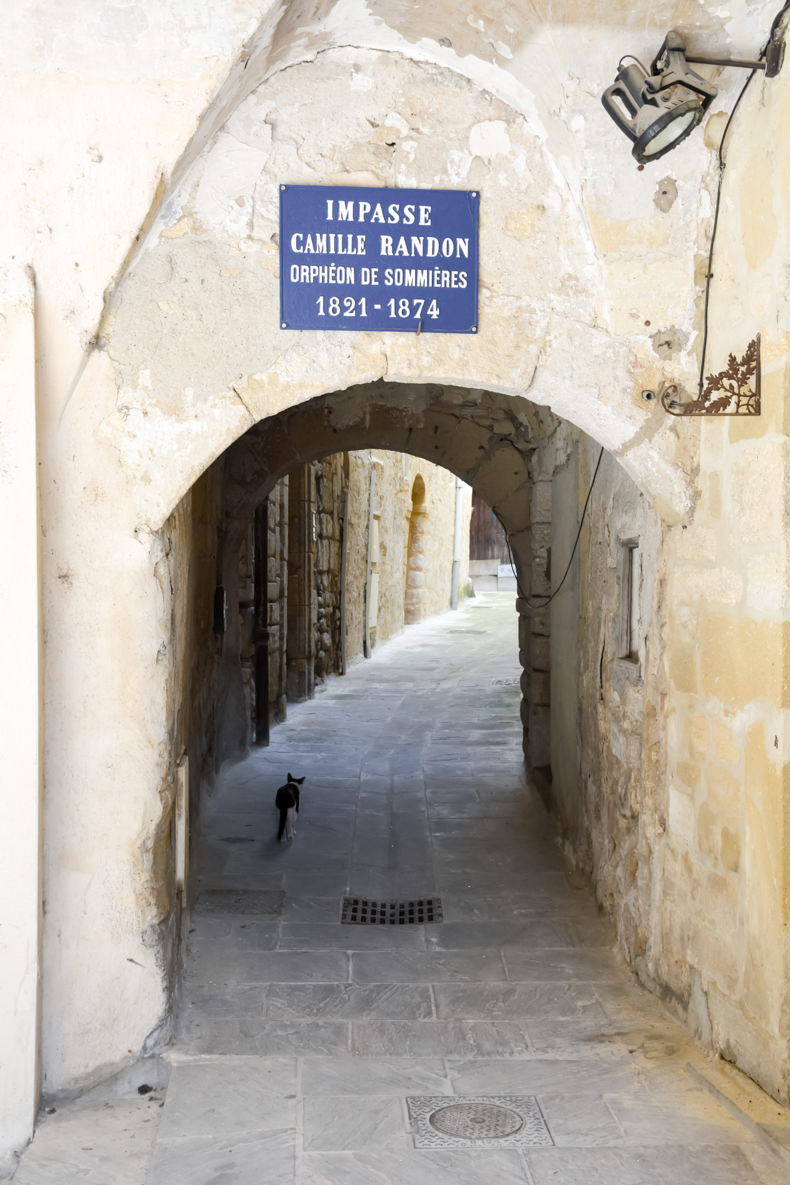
x=630, y=624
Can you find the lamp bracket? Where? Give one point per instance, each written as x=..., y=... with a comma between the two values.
x=673, y=54
x=670, y=68
x=737, y=389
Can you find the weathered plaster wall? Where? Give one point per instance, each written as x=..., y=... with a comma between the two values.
x=607, y=729
x=682, y=768
x=211, y=259
x=622, y=731
x=135, y=404
x=21, y=714
x=727, y=820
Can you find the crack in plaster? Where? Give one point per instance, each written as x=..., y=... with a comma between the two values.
x=236, y=391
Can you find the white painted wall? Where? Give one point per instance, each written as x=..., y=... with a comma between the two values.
x=20, y=718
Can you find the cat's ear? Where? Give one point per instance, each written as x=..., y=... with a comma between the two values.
x=289, y=778
x=299, y=780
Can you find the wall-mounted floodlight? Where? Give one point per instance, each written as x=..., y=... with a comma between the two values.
x=657, y=110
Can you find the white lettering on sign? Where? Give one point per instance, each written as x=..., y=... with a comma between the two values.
x=378, y=258
x=395, y=212
x=430, y=277
x=327, y=244
x=425, y=245
x=301, y=273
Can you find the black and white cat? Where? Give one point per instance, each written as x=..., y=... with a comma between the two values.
x=287, y=803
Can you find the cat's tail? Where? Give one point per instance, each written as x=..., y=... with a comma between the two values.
x=283, y=817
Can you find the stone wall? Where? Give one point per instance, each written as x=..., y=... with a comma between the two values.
x=143, y=341
x=275, y=596
x=340, y=514
x=331, y=483
x=393, y=477
x=667, y=747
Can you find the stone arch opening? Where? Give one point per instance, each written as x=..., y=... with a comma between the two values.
x=532, y=475
x=592, y=731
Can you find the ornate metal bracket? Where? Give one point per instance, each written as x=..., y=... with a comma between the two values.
x=738, y=384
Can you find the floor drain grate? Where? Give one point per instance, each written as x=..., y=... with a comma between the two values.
x=498, y=1121
x=359, y=911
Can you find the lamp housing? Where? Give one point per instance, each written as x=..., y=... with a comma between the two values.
x=656, y=111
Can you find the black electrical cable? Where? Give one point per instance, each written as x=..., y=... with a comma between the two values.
x=544, y=601
x=722, y=166
x=709, y=271
x=774, y=26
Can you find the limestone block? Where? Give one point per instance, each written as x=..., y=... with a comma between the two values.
x=741, y=659
x=323, y=559
x=730, y=850
x=539, y=584
x=726, y=746
x=700, y=734
x=683, y=667
x=712, y=585
x=718, y=961
x=757, y=490
x=689, y=774
x=538, y=736
x=541, y=502
x=708, y=831
x=766, y=588
x=539, y=688
x=541, y=539
x=681, y=815
x=540, y=621
x=539, y=653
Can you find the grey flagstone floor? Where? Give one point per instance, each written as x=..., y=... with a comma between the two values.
x=299, y=1040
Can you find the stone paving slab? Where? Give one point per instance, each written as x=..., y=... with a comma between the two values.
x=353, y=1123
x=418, y=967
x=216, y=1096
x=672, y=1164
x=351, y=1001
x=524, y=935
x=530, y=1001
x=215, y=964
x=315, y=937
x=255, y=1035
x=561, y=966
x=441, y=1038
x=265, y=1158
x=391, y=1076
x=299, y=1039
x=113, y=1142
x=410, y=1168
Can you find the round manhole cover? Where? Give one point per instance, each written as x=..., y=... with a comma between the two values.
x=476, y=1121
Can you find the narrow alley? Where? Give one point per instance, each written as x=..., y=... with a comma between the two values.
x=314, y=1052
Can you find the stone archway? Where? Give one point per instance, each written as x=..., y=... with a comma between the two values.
x=190, y=358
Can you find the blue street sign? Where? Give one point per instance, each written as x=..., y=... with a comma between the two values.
x=403, y=260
